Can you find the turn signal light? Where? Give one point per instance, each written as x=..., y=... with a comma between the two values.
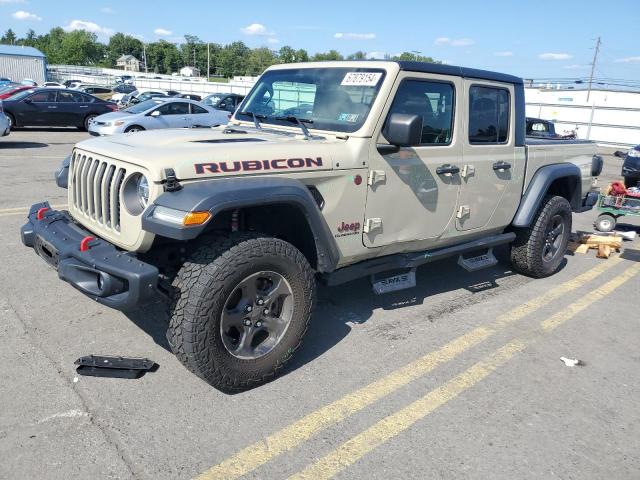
x=196, y=218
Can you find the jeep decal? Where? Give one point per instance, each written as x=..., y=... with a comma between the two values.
x=254, y=165
x=345, y=229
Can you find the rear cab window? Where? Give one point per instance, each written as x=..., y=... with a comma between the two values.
x=489, y=111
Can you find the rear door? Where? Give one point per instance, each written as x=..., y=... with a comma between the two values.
x=68, y=111
x=490, y=164
x=172, y=115
x=413, y=191
x=200, y=117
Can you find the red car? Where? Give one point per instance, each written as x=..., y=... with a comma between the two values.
x=12, y=91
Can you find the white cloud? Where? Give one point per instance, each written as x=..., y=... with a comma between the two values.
x=504, y=54
x=354, y=36
x=108, y=10
x=273, y=40
x=163, y=32
x=257, y=30
x=628, y=60
x=454, y=42
x=89, y=27
x=377, y=55
x=22, y=15
x=554, y=56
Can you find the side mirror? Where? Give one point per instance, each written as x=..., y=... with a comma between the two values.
x=222, y=105
x=620, y=154
x=403, y=130
x=156, y=113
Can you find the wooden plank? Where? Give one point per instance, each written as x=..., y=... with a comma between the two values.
x=603, y=251
x=583, y=248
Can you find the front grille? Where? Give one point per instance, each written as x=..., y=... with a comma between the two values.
x=95, y=186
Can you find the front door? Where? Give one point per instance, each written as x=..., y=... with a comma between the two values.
x=173, y=115
x=39, y=108
x=413, y=191
x=490, y=165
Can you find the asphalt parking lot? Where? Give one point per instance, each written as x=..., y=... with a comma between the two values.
x=459, y=377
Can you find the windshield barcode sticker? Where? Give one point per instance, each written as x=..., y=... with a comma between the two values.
x=361, y=79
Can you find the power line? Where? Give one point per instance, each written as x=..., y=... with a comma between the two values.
x=593, y=67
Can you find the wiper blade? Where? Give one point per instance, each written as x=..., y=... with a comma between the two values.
x=255, y=116
x=298, y=121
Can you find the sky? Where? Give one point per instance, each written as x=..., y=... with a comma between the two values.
x=532, y=39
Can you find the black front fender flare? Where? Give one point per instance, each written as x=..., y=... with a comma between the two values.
x=218, y=195
x=539, y=187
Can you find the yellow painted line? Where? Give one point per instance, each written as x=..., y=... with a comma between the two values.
x=5, y=212
x=389, y=427
x=289, y=437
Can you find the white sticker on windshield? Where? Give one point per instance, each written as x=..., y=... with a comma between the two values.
x=361, y=79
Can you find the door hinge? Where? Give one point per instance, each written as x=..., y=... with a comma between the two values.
x=468, y=171
x=371, y=224
x=376, y=176
x=463, y=211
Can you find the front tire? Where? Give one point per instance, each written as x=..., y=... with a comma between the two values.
x=605, y=222
x=12, y=121
x=539, y=249
x=87, y=122
x=240, y=308
x=133, y=129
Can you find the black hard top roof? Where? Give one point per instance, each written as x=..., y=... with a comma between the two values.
x=443, y=69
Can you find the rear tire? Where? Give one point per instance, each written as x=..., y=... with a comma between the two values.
x=12, y=121
x=605, y=222
x=219, y=331
x=631, y=181
x=539, y=249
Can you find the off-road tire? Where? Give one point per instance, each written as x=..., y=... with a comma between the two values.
x=200, y=290
x=605, y=222
x=631, y=181
x=527, y=249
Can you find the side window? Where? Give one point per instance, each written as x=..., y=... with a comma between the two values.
x=488, y=115
x=102, y=90
x=433, y=101
x=65, y=97
x=196, y=109
x=41, y=97
x=86, y=98
x=174, y=108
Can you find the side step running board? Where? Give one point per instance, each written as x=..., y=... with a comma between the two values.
x=413, y=259
x=478, y=262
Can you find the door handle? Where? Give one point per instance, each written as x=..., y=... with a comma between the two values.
x=84, y=106
x=502, y=166
x=52, y=106
x=447, y=169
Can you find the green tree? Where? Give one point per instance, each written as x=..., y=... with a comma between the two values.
x=359, y=55
x=302, y=55
x=80, y=47
x=259, y=59
x=233, y=59
x=163, y=57
x=30, y=40
x=414, y=57
x=121, y=44
x=287, y=54
x=330, y=55
x=9, y=37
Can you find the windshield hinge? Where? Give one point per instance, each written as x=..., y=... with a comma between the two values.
x=171, y=183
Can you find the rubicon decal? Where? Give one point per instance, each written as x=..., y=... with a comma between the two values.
x=345, y=229
x=255, y=165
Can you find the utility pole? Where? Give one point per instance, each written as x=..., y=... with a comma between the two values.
x=144, y=58
x=208, y=62
x=593, y=67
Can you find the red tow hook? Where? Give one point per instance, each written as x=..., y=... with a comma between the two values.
x=84, y=243
x=41, y=212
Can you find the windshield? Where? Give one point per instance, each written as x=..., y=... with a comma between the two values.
x=212, y=100
x=20, y=95
x=143, y=106
x=337, y=99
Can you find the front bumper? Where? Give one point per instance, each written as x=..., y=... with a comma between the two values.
x=103, y=130
x=104, y=273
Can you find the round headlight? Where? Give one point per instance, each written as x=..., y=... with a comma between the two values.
x=135, y=193
x=143, y=190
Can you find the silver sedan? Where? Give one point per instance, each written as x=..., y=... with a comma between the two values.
x=158, y=113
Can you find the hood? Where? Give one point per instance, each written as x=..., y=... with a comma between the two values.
x=211, y=153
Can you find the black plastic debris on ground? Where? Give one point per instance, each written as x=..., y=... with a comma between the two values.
x=115, y=367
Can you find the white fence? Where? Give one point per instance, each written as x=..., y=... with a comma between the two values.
x=107, y=76
x=609, y=117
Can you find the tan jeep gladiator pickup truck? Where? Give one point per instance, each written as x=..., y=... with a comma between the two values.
x=327, y=171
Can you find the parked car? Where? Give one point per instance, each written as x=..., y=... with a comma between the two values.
x=190, y=96
x=54, y=107
x=69, y=83
x=143, y=97
x=5, y=81
x=157, y=113
x=53, y=85
x=128, y=98
x=12, y=90
x=5, y=125
x=30, y=82
x=104, y=93
x=539, y=128
x=630, y=166
x=223, y=101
